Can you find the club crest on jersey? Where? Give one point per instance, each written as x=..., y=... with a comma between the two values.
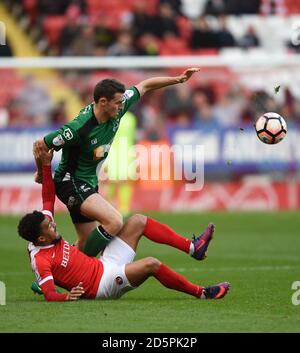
x=119, y=280
x=94, y=141
x=68, y=134
x=58, y=141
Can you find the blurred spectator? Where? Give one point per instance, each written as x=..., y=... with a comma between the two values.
x=192, y=9
x=70, y=32
x=5, y=50
x=4, y=117
x=50, y=7
x=273, y=7
x=229, y=107
x=164, y=22
x=224, y=37
x=104, y=36
x=84, y=44
x=177, y=98
x=202, y=36
x=148, y=44
x=203, y=116
x=124, y=46
x=175, y=4
x=180, y=120
x=35, y=102
x=141, y=21
x=241, y=7
x=59, y=7
x=215, y=7
x=58, y=114
x=249, y=39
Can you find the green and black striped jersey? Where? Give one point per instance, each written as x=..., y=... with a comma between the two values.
x=85, y=143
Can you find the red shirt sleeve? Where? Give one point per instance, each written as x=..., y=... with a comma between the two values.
x=48, y=189
x=50, y=292
x=42, y=269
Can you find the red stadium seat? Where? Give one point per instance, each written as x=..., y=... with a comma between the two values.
x=52, y=27
x=174, y=46
x=30, y=7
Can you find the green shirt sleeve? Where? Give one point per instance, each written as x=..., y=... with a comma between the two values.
x=67, y=135
x=131, y=96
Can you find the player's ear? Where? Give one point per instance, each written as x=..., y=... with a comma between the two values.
x=41, y=238
x=102, y=101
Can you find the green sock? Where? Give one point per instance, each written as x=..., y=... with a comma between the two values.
x=96, y=241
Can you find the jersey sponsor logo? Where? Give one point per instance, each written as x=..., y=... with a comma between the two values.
x=58, y=141
x=68, y=134
x=101, y=152
x=66, y=255
x=94, y=141
x=128, y=94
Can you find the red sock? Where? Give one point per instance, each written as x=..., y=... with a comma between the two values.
x=160, y=233
x=173, y=280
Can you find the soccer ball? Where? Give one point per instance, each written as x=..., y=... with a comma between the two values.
x=271, y=128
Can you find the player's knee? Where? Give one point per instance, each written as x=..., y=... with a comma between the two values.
x=115, y=224
x=139, y=221
x=152, y=264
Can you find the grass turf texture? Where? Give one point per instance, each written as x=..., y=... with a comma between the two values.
x=257, y=252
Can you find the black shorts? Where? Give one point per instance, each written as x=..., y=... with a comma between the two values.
x=72, y=193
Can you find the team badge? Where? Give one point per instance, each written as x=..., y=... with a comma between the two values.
x=119, y=280
x=68, y=134
x=58, y=141
x=94, y=141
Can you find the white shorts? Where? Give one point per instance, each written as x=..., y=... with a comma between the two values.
x=114, y=283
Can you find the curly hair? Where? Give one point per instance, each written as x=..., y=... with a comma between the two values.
x=29, y=227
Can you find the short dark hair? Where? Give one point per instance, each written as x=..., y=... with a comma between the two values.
x=107, y=88
x=29, y=227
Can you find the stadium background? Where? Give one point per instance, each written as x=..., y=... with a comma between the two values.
x=54, y=54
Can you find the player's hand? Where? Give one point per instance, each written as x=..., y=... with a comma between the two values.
x=41, y=154
x=76, y=292
x=187, y=74
x=38, y=178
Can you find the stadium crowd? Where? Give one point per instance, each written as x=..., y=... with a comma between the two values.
x=156, y=27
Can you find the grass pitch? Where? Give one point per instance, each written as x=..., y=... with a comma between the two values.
x=258, y=253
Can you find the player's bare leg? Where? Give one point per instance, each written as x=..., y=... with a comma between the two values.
x=97, y=208
x=83, y=230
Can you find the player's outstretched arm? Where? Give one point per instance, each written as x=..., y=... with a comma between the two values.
x=160, y=82
x=51, y=295
x=48, y=188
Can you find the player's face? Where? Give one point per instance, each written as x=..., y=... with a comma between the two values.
x=114, y=105
x=48, y=230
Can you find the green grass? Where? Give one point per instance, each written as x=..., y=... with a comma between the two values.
x=257, y=252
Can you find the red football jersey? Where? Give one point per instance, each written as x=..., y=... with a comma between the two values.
x=64, y=265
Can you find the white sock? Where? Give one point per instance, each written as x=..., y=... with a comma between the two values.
x=192, y=249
